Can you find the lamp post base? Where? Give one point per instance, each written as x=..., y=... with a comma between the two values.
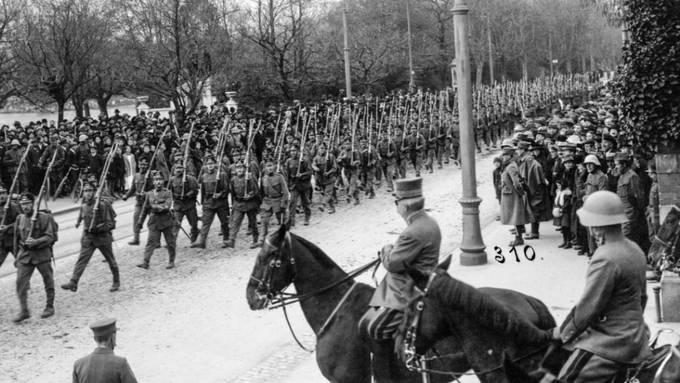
x=468, y=258
x=472, y=246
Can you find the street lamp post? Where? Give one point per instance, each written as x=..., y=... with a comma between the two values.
x=411, y=73
x=348, y=73
x=472, y=246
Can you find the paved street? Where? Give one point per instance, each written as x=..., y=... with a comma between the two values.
x=193, y=323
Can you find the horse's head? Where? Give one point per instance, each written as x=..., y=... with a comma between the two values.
x=274, y=269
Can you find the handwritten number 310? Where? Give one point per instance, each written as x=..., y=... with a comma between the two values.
x=528, y=250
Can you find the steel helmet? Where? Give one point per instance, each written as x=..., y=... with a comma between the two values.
x=591, y=159
x=602, y=208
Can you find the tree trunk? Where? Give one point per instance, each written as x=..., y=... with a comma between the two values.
x=78, y=105
x=584, y=65
x=60, y=110
x=525, y=68
x=569, y=69
x=480, y=72
x=102, y=103
x=86, y=109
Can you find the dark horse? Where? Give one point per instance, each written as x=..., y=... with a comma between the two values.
x=342, y=353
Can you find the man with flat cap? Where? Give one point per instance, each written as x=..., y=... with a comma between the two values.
x=414, y=254
x=103, y=366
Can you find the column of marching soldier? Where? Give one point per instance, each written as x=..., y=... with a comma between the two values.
x=348, y=147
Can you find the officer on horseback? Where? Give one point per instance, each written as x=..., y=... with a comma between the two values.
x=415, y=254
x=606, y=327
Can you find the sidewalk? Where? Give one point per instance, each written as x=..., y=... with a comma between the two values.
x=556, y=277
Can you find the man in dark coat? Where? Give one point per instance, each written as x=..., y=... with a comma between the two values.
x=102, y=366
x=606, y=327
x=408, y=261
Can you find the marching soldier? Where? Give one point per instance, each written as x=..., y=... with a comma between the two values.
x=369, y=160
x=214, y=192
x=388, y=161
x=158, y=203
x=275, y=197
x=299, y=178
x=140, y=185
x=349, y=161
x=413, y=145
x=58, y=169
x=245, y=195
x=33, y=241
x=7, y=229
x=96, y=235
x=184, y=199
x=326, y=169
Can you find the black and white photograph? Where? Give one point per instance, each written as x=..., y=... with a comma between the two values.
x=343, y=191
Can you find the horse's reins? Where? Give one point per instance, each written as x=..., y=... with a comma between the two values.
x=283, y=299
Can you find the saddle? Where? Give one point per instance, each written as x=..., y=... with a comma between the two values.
x=555, y=357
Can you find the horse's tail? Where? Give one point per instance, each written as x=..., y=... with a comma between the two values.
x=545, y=319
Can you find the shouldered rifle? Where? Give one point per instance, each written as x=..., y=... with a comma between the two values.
x=102, y=181
x=14, y=183
x=153, y=157
x=186, y=157
x=43, y=189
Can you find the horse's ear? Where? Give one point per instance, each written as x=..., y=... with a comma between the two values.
x=444, y=265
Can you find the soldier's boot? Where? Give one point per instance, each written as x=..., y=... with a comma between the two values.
x=71, y=285
x=331, y=208
x=229, y=243
x=24, y=313
x=255, y=243
x=198, y=243
x=171, y=261
x=135, y=240
x=115, y=286
x=372, y=194
x=306, y=223
x=145, y=263
x=49, y=307
x=194, y=234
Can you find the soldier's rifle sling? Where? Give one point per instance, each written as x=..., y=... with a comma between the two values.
x=36, y=203
x=102, y=181
x=186, y=157
x=14, y=183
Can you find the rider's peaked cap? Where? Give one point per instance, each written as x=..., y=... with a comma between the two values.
x=104, y=327
x=408, y=188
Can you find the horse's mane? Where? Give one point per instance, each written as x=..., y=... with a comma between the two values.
x=319, y=254
x=453, y=294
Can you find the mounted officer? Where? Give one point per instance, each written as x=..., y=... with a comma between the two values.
x=606, y=327
x=414, y=255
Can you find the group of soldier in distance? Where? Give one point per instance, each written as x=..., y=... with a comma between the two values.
x=235, y=167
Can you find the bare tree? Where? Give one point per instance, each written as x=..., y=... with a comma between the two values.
x=10, y=10
x=55, y=43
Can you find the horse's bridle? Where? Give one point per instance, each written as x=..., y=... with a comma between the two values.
x=264, y=284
